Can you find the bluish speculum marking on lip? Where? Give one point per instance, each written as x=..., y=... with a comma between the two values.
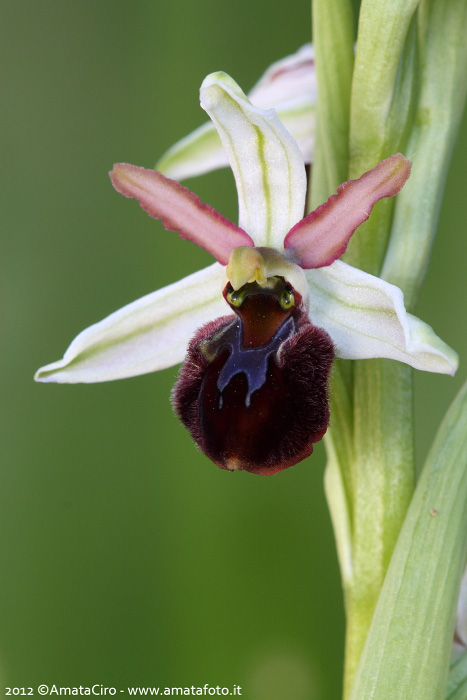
x=253, y=362
x=263, y=322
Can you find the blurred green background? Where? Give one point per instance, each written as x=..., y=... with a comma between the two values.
x=127, y=558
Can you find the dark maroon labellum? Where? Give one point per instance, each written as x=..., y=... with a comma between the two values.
x=253, y=388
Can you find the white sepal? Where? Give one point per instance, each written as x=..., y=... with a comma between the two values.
x=266, y=161
x=149, y=334
x=366, y=318
x=288, y=86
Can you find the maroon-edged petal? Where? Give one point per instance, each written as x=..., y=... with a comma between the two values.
x=323, y=235
x=180, y=210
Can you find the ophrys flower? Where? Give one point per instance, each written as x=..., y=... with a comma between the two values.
x=253, y=390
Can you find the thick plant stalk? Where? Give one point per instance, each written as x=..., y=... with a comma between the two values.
x=334, y=40
x=370, y=474
x=443, y=77
x=334, y=54
x=383, y=477
x=400, y=47
x=409, y=645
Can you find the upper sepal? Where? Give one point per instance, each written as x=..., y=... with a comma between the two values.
x=288, y=85
x=266, y=161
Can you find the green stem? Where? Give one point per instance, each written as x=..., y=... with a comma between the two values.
x=387, y=134
x=441, y=29
x=384, y=478
x=334, y=56
x=443, y=76
x=402, y=44
x=383, y=27
x=333, y=39
x=407, y=653
x=338, y=476
x=383, y=469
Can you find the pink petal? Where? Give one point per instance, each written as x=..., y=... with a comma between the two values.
x=323, y=235
x=180, y=210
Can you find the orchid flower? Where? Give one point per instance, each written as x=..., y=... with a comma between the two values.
x=253, y=387
x=288, y=85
